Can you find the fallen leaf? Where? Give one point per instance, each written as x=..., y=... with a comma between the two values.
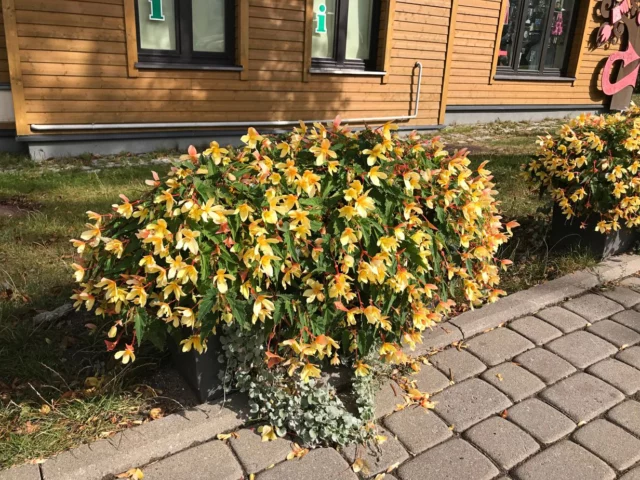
x=504, y=414
x=380, y=476
x=380, y=439
x=32, y=427
x=393, y=467
x=499, y=376
x=360, y=466
x=155, y=413
x=45, y=409
x=297, y=452
x=132, y=474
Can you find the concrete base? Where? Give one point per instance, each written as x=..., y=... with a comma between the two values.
x=9, y=144
x=43, y=147
x=462, y=114
x=43, y=150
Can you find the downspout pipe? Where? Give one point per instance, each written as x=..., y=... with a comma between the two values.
x=273, y=123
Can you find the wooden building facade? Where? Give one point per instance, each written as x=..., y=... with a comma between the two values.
x=114, y=75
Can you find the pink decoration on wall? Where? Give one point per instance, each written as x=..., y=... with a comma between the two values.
x=605, y=33
x=616, y=15
x=624, y=7
x=626, y=57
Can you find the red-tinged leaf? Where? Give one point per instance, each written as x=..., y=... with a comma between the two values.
x=273, y=359
x=229, y=242
x=111, y=345
x=243, y=275
x=124, y=197
x=341, y=307
x=224, y=228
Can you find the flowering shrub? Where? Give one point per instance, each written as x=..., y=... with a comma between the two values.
x=591, y=167
x=320, y=247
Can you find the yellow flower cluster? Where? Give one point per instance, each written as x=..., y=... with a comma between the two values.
x=591, y=167
x=339, y=243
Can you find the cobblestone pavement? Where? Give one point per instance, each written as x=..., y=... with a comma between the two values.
x=551, y=395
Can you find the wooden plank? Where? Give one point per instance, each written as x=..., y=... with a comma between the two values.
x=72, y=33
x=68, y=45
x=308, y=39
x=69, y=20
x=131, y=35
x=582, y=36
x=243, y=55
x=69, y=6
x=496, y=50
x=387, y=46
x=447, y=62
x=15, y=67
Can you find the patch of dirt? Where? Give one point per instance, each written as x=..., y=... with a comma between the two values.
x=16, y=207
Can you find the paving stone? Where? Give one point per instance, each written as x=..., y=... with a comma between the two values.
x=624, y=296
x=489, y=316
x=430, y=380
x=615, y=268
x=318, y=464
x=418, y=429
x=498, y=345
x=440, y=336
x=593, y=307
x=582, y=397
x=197, y=463
x=387, y=398
x=453, y=460
x=632, y=475
x=627, y=415
x=630, y=356
x=562, y=319
x=256, y=455
x=513, y=380
x=546, y=365
x=24, y=472
x=620, y=375
x=144, y=444
x=468, y=403
x=615, y=333
x=377, y=458
x=628, y=318
x=609, y=442
x=457, y=364
x=502, y=441
x=565, y=461
x=543, y=422
x=536, y=330
x=581, y=349
x=631, y=282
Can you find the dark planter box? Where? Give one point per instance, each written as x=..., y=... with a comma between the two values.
x=200, y=370
x=566, y=234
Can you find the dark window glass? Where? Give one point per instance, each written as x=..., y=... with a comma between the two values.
x=186, y=31
x=536, y=37
x=345, y=34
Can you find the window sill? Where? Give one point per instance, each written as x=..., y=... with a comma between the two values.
x=344, y=71
x=187, y=66
x=533, y=78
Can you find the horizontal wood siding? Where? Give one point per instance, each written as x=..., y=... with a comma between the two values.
x=474, y=44
x=4, y=64
x=74, y=65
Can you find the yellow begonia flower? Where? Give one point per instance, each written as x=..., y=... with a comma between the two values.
x=126, y=355
x=375, y=175
x=315, y=292
x=251, y=138
x=309, y=371
x=262, y=308
x=194, y=342
x=364, y=204
x=78, y=273
x=221, y=277
x=362, y=369
x=187, y=240
x=322, y=152
x=374, y=154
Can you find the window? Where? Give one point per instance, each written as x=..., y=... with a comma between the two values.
x=536, y=37
x=186, y=32
x=345, y=34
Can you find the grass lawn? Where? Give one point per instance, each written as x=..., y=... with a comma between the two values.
x=58, y=386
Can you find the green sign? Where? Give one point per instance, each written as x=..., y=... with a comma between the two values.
x=321, y=19
x=156, y=10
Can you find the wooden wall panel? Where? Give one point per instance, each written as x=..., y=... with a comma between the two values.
x=471, y=82
x=76, y=69
x=4, y=63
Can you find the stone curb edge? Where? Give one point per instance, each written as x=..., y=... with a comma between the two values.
x=153, y=441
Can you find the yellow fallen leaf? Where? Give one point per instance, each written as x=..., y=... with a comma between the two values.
x=268, y=433
x=393, y=467
x=155, y=413
x=360, y=466
x=132, y=474
x=380, y=476
x=45, y=409
x=223, y=436
x=380, y=439
x=252, y=476
x=499, y=376
x=297, y=452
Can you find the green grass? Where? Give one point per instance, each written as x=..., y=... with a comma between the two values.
x=49, y=364
x=46, y=402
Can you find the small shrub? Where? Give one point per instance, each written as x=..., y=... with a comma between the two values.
x=591, y=169
x=320, y=248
